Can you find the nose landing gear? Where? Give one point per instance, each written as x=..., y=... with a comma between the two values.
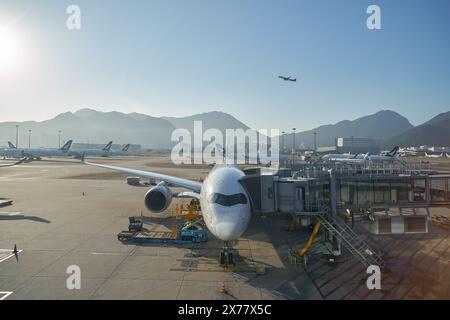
x=226, y=256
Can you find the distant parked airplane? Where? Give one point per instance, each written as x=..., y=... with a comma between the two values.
x=35, y=153
x=442, y=155
x=93, y=152
x=123, y=151
x=388, y=156
x=287, y=78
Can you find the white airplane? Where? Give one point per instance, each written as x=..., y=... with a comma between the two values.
x=35, y=153
x=123, y=151
x=104, y=152
x=388, y=156
x=442, y=155
x=335, y=156
x=224, y=201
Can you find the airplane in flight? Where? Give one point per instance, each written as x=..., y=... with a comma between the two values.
x=288, y=78
x=104, y=152
x=35, y=153
x=225, y=204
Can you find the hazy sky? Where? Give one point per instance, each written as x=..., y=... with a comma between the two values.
x=177, y=58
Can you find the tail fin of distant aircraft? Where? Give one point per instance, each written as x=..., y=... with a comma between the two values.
x=11, y=145
x=66, y=146
x=108, y=146
x=126, y=147
x=393, y=152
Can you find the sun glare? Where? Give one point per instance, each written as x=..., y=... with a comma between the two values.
x=11, y=51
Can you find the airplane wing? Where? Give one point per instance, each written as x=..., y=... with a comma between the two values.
x=188, y=194
x=177, y=182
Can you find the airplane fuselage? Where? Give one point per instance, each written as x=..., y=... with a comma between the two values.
x=225, y=204
x=31, y=153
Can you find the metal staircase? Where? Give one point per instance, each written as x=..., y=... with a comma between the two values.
x=351, y=241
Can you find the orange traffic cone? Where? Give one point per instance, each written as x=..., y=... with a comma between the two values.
x=222, y=288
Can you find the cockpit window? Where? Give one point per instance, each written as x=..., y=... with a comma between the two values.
x=227, y=200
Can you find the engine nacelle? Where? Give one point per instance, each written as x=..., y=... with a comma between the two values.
x=158, y=198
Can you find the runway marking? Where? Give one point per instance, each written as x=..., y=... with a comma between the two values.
x=11, y=213
x=9, y=255
x=109, y=253
x=5, y=294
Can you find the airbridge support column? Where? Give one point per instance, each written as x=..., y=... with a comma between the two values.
x=333, y=194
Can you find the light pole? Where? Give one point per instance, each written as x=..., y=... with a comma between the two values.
x=293, y=146
x=353, y=147
x=17, y=135
x=282, y=141
x=59, y=139
x=29, y=139
x=315, y=142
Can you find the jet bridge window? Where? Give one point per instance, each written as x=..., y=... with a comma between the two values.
x=419, y=190
x=438, y=189
x=227, y=200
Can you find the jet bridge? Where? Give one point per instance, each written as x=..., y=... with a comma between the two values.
x=401, y=189
x=393, y=198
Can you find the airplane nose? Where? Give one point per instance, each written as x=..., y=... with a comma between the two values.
x=227, y=231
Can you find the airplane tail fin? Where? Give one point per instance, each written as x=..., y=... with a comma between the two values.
x=11, y=145
x=393, y=152
x=108, y=146
x=66, y=146
x=126, y=147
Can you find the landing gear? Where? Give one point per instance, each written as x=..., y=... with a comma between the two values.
x=226, y=256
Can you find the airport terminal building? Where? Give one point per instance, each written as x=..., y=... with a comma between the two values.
x=353, y=145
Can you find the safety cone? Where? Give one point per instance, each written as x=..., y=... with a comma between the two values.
x=222, y=288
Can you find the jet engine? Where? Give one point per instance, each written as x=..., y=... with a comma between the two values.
x=158, y=198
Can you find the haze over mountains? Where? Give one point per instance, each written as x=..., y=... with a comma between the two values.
x=90, y=126
x=381, y=125
x=433, y=132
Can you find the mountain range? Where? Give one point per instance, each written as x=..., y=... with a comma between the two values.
x=433, y=132
x=91, y=126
